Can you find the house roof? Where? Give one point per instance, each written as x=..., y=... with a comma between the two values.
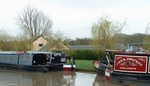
x=37, y=37
x=92, y=47
x=73, y=47
x=45, y=48
x=81, y=47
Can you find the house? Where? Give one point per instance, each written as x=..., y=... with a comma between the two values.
x=41, y=44
x=38, y=43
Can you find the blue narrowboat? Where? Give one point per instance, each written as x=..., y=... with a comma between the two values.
x=44, y=61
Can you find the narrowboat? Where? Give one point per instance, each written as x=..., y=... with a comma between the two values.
x=127, y=67
x=44, y=61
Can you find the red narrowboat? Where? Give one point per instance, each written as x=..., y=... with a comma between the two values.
x=124, y=66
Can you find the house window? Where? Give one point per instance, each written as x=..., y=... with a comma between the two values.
x=40, y=45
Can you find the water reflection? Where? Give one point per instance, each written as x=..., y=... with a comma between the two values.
x=57, y=78
x=24, y=78
x=84, y=78
x=100, y=81
x=125, y=82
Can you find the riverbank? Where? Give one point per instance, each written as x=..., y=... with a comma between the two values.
x=84, y=65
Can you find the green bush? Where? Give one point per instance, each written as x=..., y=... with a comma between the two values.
x=87, y=54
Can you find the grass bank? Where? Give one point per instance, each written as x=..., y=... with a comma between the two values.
x=84, y=65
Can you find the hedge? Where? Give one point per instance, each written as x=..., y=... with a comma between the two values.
x=88, y=54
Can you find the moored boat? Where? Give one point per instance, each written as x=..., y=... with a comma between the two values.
x=125, y=67
x=44, y=61
x=129, y=67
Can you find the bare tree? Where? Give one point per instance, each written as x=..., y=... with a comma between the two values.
x=104, y=32
x=33, y=22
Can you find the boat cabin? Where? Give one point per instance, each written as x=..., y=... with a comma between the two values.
x=133, y=62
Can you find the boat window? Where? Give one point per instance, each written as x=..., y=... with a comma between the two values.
x=39, y=59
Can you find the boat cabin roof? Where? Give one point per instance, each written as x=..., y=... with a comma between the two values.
x=131, y=53
x=122, y=52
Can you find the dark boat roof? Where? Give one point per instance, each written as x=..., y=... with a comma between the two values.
x=131, y=53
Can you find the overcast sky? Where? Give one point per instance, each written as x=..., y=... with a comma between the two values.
x=75, y=17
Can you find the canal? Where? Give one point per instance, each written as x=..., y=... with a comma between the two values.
x=52, y=78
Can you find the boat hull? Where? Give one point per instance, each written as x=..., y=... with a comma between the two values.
x=127, y=78
x=128, y=82
x=131, y=76
x=44, y=68
x=99, y=71
x=99, y=67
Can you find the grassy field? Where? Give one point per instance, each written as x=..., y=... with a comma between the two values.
x=84, y=65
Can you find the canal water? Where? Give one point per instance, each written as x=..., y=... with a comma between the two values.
x=52, y=78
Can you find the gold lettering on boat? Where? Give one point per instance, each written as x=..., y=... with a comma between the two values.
x=130, y=60
x=26, y=57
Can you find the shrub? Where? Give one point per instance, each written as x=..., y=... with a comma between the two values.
x=87, y=54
